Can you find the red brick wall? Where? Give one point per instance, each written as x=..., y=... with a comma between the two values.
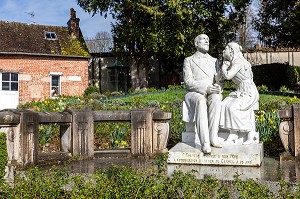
x=34, y=75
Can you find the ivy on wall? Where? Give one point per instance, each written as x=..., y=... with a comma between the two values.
x=74, y=47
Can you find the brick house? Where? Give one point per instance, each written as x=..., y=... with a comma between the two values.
x=39, y=62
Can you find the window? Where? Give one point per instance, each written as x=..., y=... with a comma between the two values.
x=10, y=82
x=55, y=86
x=50, y=35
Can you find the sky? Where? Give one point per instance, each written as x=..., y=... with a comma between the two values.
x=54, y=13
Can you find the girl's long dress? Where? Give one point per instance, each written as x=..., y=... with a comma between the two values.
x=237, y=109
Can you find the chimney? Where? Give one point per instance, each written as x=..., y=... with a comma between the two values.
x=73, y=24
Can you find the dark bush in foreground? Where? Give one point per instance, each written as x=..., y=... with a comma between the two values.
x=126, y=182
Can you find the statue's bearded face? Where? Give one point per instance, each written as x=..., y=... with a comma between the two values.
x=203, y=43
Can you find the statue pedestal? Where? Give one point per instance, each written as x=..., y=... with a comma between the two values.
x=234, y=155
x=219, y=172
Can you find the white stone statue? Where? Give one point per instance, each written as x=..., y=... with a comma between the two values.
x=237, y=112
x=203, y=97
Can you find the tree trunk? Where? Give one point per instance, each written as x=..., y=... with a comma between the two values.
x=143, y=76
x=135, y=83
x=143, y=71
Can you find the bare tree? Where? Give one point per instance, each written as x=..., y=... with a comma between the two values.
x=102, y=42
x=246, y=36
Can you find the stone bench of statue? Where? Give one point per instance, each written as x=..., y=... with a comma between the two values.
x=241, y=137
x=226, y=136
x=190, y=135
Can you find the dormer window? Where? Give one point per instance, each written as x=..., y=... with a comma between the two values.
x=50, y=35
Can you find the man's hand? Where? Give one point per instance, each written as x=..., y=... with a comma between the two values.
x=214, y=89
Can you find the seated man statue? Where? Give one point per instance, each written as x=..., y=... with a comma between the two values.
x=203, y=97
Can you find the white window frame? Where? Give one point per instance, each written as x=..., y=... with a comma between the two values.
x=9, y=81
x=53, y=93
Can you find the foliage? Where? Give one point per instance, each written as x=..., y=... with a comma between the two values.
x=119, y=135
x=262, y=88
x=246, y=36
x=267, y=124
x=284, y=89
x=267, y=121
x=112, y=135
x=91, y=89
x=128, y=182
x=176, y=87
x=271, y=75
x=278, y=23
x=292, y=73
x=116, y=93
x=169, y=100
x=251, y=188
x=151, y=89
x=38, y=184
x=74, y=47
x=166, y=30
x=49, y=133
x=276, y=75
x=3, y=155
x=269, y=103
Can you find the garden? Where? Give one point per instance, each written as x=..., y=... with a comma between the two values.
x=117, y=135
x=127, y=182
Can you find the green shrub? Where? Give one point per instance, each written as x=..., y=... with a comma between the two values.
x=269, y=103
x=120, y=135
x=3, y=155
x=49, y=134
x=267, y=121
x=127, y=182
x=292, y=74
x=153, y=104
x=285, y=89
x=116, y=93
x=35, y=183
x=267, y=124
x=176, y=87
x=177, y=126
x=262, y=88
x=251, y=188
x=91, y=89
x=271, y=75
x=275, y=75
x=151, y=89
x=95, y=95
